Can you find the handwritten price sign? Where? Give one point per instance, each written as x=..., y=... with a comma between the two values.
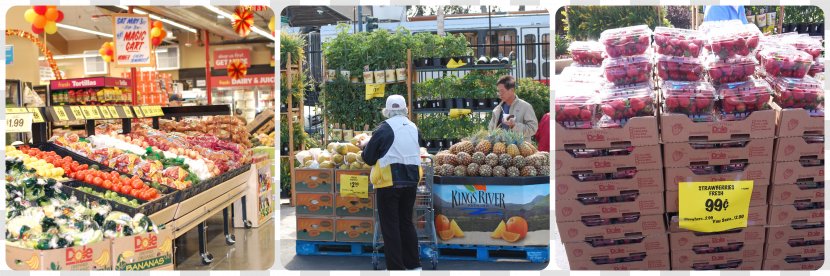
x=714, y=206
x=132, y=40
x=354, y=185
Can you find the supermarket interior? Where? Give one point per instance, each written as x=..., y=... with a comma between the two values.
x=140, y=137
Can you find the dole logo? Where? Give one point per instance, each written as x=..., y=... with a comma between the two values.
x=617, y=250
x=609, y=209
x=718, y=155
x=789, y=150
x=676, y=129
x=572, y=232
x=615, y=230
x=821, y=172
x=608, y=187
x=78, y=255
x=595, y=137
x=819, y=194
x=720, y=129
x=718, y=240
x=792, y=124
x=142, y=244
x=717, y=258
x=602, y=164
x=818, y=214
x=815, y=234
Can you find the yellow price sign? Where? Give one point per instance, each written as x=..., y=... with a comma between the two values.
x=36, y=116
x=77, y=112
x=127, y=111
x=158, y=110
x=354, y=185
x=138, y=112
x=113, y=112
x=105, y=113
x=375, y=91
x=151, y=111
x=714, y=206
x=60, y=112
x=91, y=112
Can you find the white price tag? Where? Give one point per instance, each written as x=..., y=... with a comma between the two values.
x=18, y=122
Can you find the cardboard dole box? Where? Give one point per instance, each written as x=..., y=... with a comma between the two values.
x=94, y=256
x=617, y=228
x=315, y=229
x=642, y=253
x=148, y=251
x=638, y=131
x=796, y=148
x=600, y=160
x=501, y=211
x=718, y=153
x=680, y=128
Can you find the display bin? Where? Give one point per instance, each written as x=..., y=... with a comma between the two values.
x=635, y=261
x=207, y=184
x=94, y=256
x=313, y=180
x=315, y=229
x=784, y=264
x=794, y=236
x=354, y=229
x=793, y=250
x=339, y=173
x=788, y=214
x=731, y=264
x=479, y=206
x=805, y=192
x=145, y=207
x=148, y=251
x=680, y=128
x=352, y=206
x=569, y=187
x=315, y=204
x=587, y=228
x=652, y=252
x=787, y=173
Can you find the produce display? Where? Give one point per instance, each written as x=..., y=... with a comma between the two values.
x=492, y=154
x=261, y=139
x=622, y=103
x=678, y=42
x=806, y=44
x=817, y=68
x=627, y=41
x=695, y=99
x=679, y=68
x=731, y=40
x=575, y=108
x=336, y=155
x=742, y=98
x=586, y=52
x=733, y=70
x=782, y=62
x=627, y=70
x=581, y=74
x=804, y=93
x=231, y=128
x=45, y=164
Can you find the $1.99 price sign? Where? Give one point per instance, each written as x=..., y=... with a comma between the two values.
x=354, y=185
x=714, y=206
x=18, y=122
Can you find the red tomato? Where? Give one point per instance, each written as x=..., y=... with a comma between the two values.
x=135, y=193
x=89, y=178
x=98, y=181
x=153, y=193
x=126, y=189
x=107, y=185
x=137, y=184
x=116, y=188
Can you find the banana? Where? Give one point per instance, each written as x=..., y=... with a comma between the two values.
x=127, y=254
x=104, y=259
x=166, y=247
x=34, y=262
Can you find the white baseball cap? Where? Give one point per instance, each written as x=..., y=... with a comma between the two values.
x=395, y=102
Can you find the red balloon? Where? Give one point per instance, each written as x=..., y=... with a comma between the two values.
x=156, y=41
x=60, y=17
x=109, y=52
x=37, y=30
x=40, y=9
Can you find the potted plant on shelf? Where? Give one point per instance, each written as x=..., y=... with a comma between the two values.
x=421, y=44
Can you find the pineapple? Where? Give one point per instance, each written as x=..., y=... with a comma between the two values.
x=513, y=172
x=483, y=143
x=499, y=171
x=465, y=146
x=485, y=170
x=460, y=170
x=499, y=147
x=543, y=171
x=478, y=158
x=514, y=138
x=472, y=169
x=529, y=171
x=519, y=161
x=505, y=160
x=526, y=148
x=450, y=159
x=464, y=158
x=498, y=138
x=492, y=159
x=535, y=160
x=439, y=170
x=440, y=159
x=449, y=170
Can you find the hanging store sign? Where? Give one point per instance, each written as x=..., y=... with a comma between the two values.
x=132, y=40
x=221, y=58
x=249, y=80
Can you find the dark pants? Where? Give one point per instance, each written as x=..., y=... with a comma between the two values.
x=400, y=241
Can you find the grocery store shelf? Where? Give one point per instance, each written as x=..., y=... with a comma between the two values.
x=204, y=110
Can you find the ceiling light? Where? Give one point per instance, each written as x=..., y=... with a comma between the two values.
x=165, y=20
x=70, y=27
x=70, y=56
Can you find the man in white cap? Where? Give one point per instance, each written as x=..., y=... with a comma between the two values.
x=395, y=156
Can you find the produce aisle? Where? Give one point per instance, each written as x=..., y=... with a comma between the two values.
x=691, y=149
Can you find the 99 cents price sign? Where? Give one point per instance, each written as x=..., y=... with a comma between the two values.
x=18, y=122
x=714, y=206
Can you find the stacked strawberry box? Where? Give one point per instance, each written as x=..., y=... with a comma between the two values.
x=795, y=236
x=609, y=177
x=716, y=129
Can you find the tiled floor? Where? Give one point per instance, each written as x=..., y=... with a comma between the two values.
x=254, y=248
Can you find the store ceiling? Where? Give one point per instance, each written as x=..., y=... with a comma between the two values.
x=198, y=17
x=305, y=16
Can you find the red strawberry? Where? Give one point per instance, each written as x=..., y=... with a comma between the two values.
x=694, y=50
x=585, y=114
x=752, y=42
x=608, y=110
x=683, y=102
x=618, y=104
x=637, y=104
x=672, y=102
x=701, y=103
x=740, y=107
x=571, y=111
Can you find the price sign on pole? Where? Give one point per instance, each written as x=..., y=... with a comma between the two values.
x=18, y=122
x=714, y=206
x=354, y=185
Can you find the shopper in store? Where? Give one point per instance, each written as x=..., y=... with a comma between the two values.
x=724, y=12
x=513, y=113
x=543, y=134
x=395, y=157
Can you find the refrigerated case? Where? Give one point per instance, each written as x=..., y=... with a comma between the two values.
x=247, y=100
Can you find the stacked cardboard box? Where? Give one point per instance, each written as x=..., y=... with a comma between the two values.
x=609, y=197
x=795, y=237
x=323, y=214
x=718, y=151
x=152, y=87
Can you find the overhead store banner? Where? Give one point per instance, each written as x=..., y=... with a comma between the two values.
x=132, y=40
x=221, y=58
x=249, y=80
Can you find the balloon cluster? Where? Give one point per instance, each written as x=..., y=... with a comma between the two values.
x=43, y=18
x=272, y=25
x=157, y=33
x=107, y=51
x=40, y=45
x=243, y=20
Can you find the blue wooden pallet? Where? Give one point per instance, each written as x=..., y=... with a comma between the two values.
x=326, y=248
x=488, y=253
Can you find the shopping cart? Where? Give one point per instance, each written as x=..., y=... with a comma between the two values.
x=424, y=219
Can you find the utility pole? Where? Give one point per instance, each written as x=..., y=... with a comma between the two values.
x=360, y=18
x=440, y=20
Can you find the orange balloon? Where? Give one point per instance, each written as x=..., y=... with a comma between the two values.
x=40, y=21
x=51, y=14
x=163, y=34
x=158, y=24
